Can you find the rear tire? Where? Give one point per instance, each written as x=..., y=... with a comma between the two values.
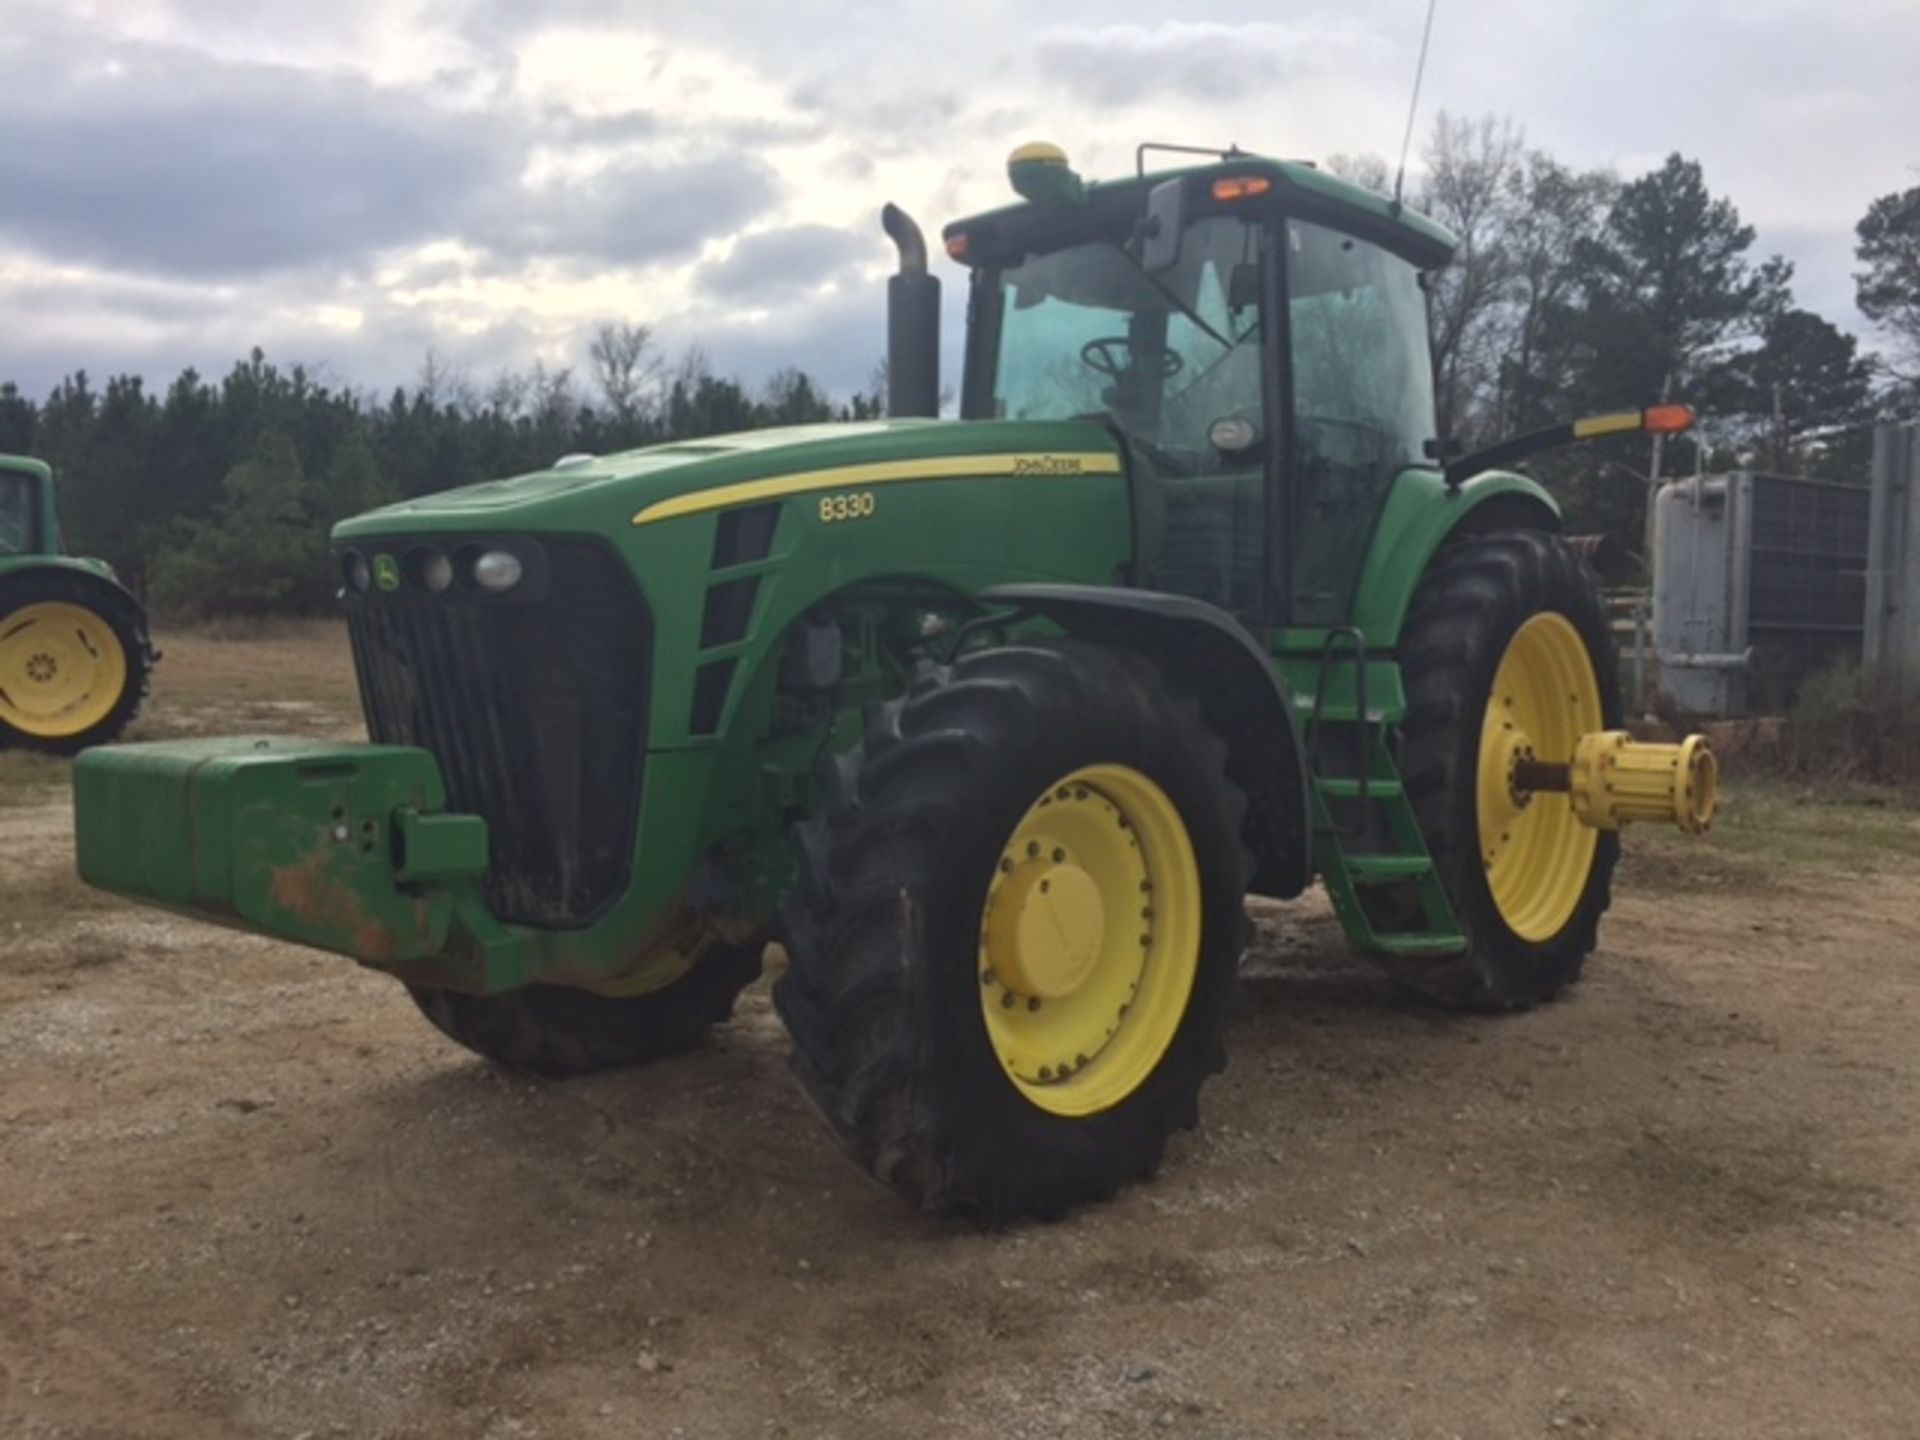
x=74, y=661
x=556, y=1031
x=1465, y=614
x=897, y=1033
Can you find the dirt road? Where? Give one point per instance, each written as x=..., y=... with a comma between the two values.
x=247, y=1191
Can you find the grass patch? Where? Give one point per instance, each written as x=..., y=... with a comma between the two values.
x=1837, y=826
x=1772, y=827
x=30, y=779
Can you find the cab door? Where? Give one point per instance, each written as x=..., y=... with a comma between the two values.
x=1360, y=386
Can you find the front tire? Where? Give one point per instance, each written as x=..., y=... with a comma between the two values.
x=555, y=1031
x=1014, y=937
x=1506, y=651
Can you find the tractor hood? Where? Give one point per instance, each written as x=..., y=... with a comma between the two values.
x=603, y=492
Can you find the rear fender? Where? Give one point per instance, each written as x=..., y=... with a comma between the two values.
x=1242, y=698
x=105, y=592
x=1421, y=515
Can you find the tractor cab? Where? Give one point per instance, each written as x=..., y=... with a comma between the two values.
x=25, y=511
x=1253, y=332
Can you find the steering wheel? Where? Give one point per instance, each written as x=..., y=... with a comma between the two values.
x=1115, y=355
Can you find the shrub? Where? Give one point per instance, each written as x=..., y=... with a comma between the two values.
x=1856, y=722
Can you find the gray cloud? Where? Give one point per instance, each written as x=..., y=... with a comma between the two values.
x=780, y=263
x=1126, y=65
x=173, y=162
x=630, y=214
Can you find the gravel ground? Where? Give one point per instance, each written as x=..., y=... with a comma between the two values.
x=247, y=1191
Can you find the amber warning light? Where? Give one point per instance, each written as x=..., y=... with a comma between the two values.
x=1241, y=187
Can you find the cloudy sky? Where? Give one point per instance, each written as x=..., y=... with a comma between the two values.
x=353, y=182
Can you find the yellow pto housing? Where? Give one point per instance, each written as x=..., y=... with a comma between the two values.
x=1616, y=780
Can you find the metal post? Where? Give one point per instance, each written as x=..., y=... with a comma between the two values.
x=1892, y=639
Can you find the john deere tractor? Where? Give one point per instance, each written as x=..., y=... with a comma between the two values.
x=74, y=651
x=993, y=722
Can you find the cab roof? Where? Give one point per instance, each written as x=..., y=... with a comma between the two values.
x=1298, y=189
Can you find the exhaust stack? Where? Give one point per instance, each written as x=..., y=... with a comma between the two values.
x=913, y=322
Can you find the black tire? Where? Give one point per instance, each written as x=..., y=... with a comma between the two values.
x=883, y=927
x=1473, y=598
x=119, y=612
x=556, y=1031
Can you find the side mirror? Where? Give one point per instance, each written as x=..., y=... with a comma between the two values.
x=1165, y=225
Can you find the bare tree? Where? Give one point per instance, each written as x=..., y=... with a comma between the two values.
x=1369, y=172
x=625, y=369
x=1556, y=211
x=1471, y=168
x=444, y=385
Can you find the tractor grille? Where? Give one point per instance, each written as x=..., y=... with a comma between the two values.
x=535, y=706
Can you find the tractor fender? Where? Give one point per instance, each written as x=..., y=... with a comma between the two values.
x=1241, y=697
x=103, y=586
x=1420, y=516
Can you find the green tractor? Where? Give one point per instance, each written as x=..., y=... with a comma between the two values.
x=74, y=649
x=994, y=723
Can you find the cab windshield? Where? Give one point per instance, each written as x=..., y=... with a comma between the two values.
x=1085, y=332
x=16, y=513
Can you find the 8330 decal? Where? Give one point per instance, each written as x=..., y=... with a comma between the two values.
x=855, y=506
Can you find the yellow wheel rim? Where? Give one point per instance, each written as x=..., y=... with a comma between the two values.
x=1090, y=940
x=1537, y=855
x=62, y=670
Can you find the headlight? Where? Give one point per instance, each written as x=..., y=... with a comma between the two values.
x=497, y=570
x=359, y=574
x=431, y=568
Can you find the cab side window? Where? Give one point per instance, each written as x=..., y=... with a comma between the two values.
x=1362, y=402
x=16, y=515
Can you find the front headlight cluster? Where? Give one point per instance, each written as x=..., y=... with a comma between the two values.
x=432, y=569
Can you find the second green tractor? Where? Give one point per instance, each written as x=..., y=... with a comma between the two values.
x=994, y=723
x=75, y=655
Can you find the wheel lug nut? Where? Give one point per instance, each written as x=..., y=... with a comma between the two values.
x=988, y=978
x=1033, y=849
x=1033, y=1003
x=1059, y=856
x=1008, y=999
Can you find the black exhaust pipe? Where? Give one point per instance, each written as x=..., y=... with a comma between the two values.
x=913, y=322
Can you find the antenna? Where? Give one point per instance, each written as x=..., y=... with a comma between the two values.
x=1413, y=105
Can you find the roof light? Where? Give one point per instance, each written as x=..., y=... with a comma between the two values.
x=957, y=246
x=1241, y=187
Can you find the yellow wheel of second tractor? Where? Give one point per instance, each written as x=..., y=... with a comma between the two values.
x=1507, y=660
x=72, y=660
